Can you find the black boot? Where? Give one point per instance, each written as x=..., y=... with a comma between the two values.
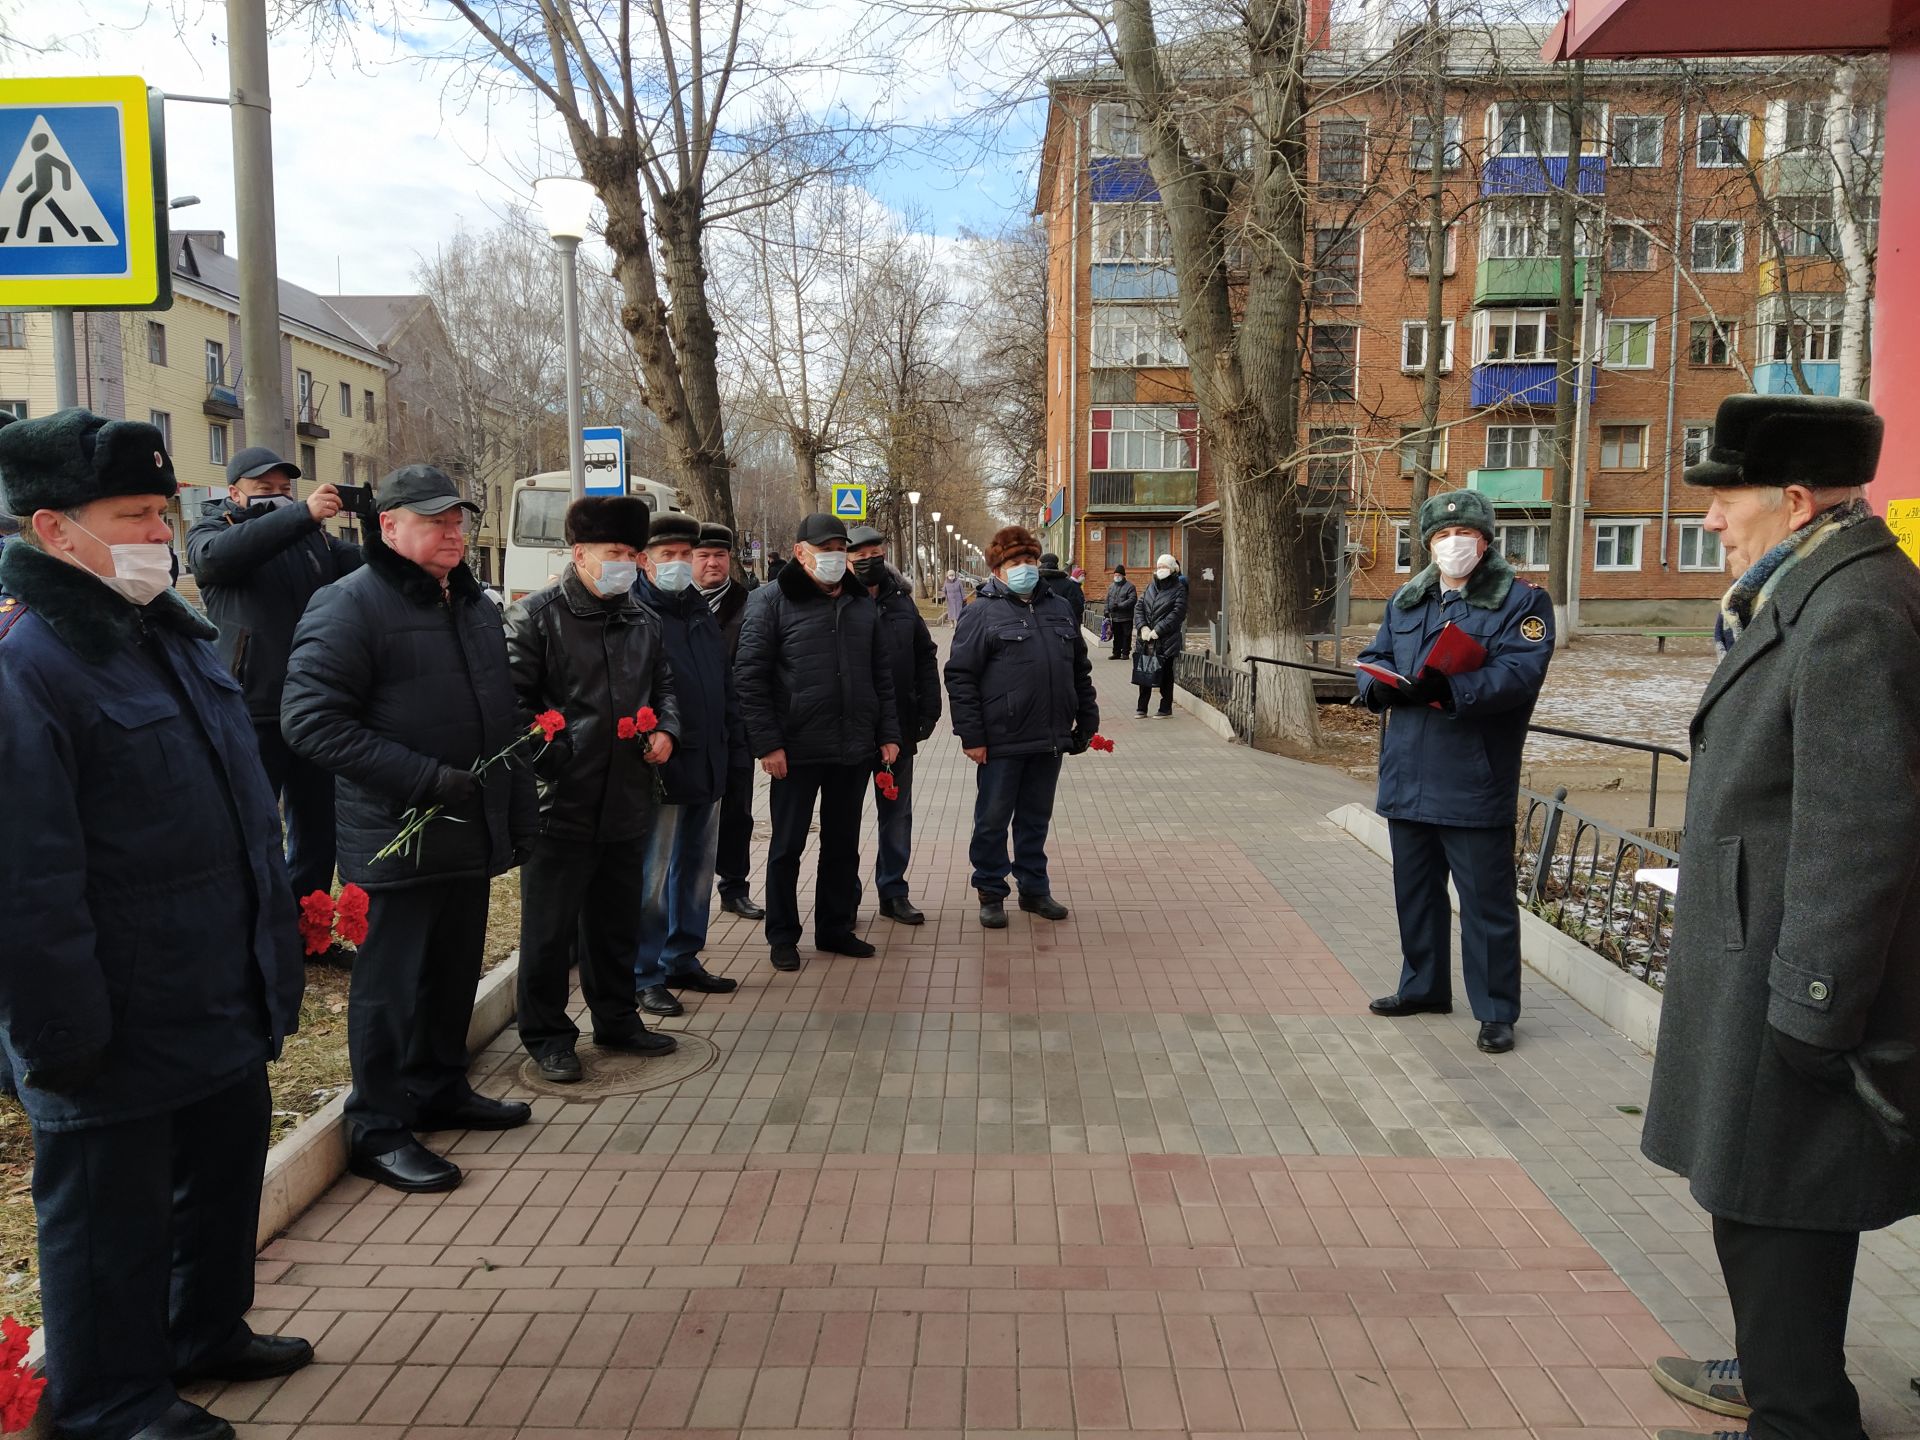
x=993, y=912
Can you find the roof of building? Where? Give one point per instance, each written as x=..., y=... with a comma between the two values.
x=200, y=256
x=379, y=317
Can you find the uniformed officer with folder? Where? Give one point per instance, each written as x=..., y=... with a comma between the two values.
x=1450, y=761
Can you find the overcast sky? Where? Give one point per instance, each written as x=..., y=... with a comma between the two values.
x=379, y=158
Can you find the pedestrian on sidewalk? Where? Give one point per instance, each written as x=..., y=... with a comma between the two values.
x=1450, y=764
x=584, y=645
x=727, y=599
x=1021, y=688
x=150, y=966
x=817, y=695
x=1785, y=1086
x=956, y=597
x=258, y=554
x=1064, y=585
x=677, y=870
x=915, y=665
x=1121, y=599
x=398, y=683
x=1161, y=613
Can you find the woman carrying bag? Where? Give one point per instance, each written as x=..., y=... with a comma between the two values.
x=1160, y=619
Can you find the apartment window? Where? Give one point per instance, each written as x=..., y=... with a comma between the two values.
x=1616, y=546
x=366, y=406
x=309, y=464
x=1623, y=447
x=1402, y=547
x=1336, y=266
x=1527, y=127
x=1137, y=548
x=1720, y=141
x=1330, y=463
x=1812, y=328
x=163, y=422
x=13, y=329
x=346, y=400
x=1145, y=437
x=1236, y=146
x=216, y=363
x=1410, y=437
x=1717, y=244
x=156, y=343
x=303, y=385
x=1131, y=232
x=1527, y=335
x=1629, y=345
x=347, y=470
x=1417, y=250
x=1135, y=336
x=1636, y=139
x=1866, y=210
x=1695, y=441
x=15, y=408
x=1333, y=353
x=1519, y=447
x=1115, y=131
x=1806, y=224
x=1524, y=545
x=1420, y=154
x=1526, y=227
x=1343, y=159
x=1804, y=125
x=1711, y=342
x=1629, y=247
x=217, y=444
x=1413, y=345
x=1700, y=547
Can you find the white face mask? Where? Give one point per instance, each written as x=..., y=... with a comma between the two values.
x=1456, y=555
x=140, y=572
x=616, y=577
x=829, y=566
x=673, y=576
x=1163, y=573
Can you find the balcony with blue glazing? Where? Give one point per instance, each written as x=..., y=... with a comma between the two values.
x=1776, y=377
x=1130, y=280
x=1120, y=180
x=1510, y=487
x=1524, y=383
x=1541, y=175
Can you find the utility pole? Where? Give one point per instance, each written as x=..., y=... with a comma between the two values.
x=263, y=401
x=66, y=369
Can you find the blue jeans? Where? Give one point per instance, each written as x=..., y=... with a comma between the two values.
x=1016, y=792
x=677, y=877
x=895, y=825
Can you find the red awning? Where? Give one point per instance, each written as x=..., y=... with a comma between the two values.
x=1635, y=29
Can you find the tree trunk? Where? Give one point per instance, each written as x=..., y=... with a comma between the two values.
x=1564, y=548
x=705, y=470
x=1844, y=185
x=806, y=469
x=1423, y=470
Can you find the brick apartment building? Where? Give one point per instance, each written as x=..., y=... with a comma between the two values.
x=1666, y=155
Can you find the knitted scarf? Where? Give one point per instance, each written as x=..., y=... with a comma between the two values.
x=1755, y=588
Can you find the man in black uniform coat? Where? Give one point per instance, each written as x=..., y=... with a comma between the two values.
x=258, y=556
x=150, y=965
x=1064, y=585
x=399, y=684
x=726, y=597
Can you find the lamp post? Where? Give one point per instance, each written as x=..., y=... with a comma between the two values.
x=913, y=536
x=566, y=204
x=954, y=562
x=940, y=565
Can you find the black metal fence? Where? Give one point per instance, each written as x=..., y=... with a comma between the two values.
x=1227, y=688
x=1580, y=874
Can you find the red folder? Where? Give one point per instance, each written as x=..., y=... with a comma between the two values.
x=1453, y=652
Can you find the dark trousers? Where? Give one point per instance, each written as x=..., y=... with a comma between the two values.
x=841, y=790
x=1481, y=864
x=306, y=803
x=1166, y=690
x=146, y=1252
x=894, y=822
x=1013, y=793
x=734, y=856
x=569, y=889
x=1790, y=1291
x=409, y=1007
x=1122, y=636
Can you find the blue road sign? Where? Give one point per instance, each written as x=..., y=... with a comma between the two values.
x=850, y=502
x=606, y=447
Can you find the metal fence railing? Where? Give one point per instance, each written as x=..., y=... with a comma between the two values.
x=1579, y=873
x=1227, y=688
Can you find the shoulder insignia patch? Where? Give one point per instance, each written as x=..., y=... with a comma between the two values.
x=1534, y=628
x=11, y=611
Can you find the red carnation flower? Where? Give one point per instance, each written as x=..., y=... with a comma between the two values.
x=350, y=915
x=20, y=1388
x=627, y=727
x=645, y=720
x=549, y=723
x=1100, y=742
x=316, y=922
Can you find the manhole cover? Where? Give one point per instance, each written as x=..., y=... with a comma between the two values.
x=612, y=1072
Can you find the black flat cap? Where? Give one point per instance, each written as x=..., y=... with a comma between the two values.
x=257, y=460
x=423, y=489
x=714, y=537
x=74, y=457
x=864, y=535
x=818, y=529
x=673, y=527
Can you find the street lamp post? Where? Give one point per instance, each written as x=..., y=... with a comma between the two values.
x=939, y=565
x=954, y=562
x=913, y=536
x=567, y=204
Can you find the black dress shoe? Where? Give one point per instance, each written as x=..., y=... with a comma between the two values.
x=1395, y=1008
x=1496, y=1037
x=658, y=1000
x=743, y=907
x=1045, y=906
x=784, y=957
x=703, y=982
x=993, y=912
x=412, y=1168
x=638, y=1041
x=261, y=1358
x=185, y=1421
x=562, y=1067
x=1164, y=712
x=479, y=1112
x=900, y=908
x=843, y=945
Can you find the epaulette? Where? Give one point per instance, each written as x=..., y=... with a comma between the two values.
x=11, y=611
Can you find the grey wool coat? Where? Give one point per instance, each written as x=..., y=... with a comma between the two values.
x=1798, y=904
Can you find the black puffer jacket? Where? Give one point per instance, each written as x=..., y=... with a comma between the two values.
x=257, y=568
x=594, y=661
x=1019, y=679
x=1068, y=589
x=391, y=681
x=912, y=658
x=1163, y=610
x=1122, y=596
x=812, y=674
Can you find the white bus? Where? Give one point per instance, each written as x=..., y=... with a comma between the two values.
x=537, y=549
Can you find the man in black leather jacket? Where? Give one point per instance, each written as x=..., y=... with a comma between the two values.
x=585, y=646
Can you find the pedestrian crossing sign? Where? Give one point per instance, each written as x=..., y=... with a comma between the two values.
x=83, y=199
x=849, y=502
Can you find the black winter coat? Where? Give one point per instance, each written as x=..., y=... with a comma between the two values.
x=1069, y=590
x=1162, y=608
x=732, y=614
x=594, y=661
x=813, y=674
x=1019, y=679
x=256, y=569
x=148, y=918
x=710, y=733
x=913, y=659
x=392, y=681
x=1122, y=595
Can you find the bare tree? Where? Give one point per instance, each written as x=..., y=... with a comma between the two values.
x=1005, y=345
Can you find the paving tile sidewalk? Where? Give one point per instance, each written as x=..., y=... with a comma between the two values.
x=1153, y=1169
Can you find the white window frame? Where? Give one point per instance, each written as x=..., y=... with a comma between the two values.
x=1659, y=124
x=1697, y=439
x=1729, y=341
x=1717, y=228
x=1407, y=327
x=1539, y=447
x=1538, y=536
x=346, y=400
x=1533, y=114
x=1702, y=536
x=1417, y=235
x=1529, y=324
x=1618, y=340
x=1134, y=232
x=1135, y=336
x=162, y=421
x=216, y=363
x=1453, y=150
x=1112, y=115
x=1637, y=235
x=217, y=447
x=1600, y=446
x=156, y=341
x=1814, y=329
x=1402, y=545
x=1341, y=189
x=1409, y=450
x=1601, y=529
x=1166, y=428
x=1712, y=129
x=1806, y=225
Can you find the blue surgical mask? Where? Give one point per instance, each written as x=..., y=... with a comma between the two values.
x=673, y=576
x=616, y=577
x=1021, y=579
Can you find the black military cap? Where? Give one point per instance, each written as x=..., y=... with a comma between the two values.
x=714, y=537
x=818, y=529
x=74, y=457
x=255, y=461
x=422, y=489
x=1812, y=440
x=673, y=527
x=864, y=535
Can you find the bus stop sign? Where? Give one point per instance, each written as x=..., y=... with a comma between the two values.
x=606, y=459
